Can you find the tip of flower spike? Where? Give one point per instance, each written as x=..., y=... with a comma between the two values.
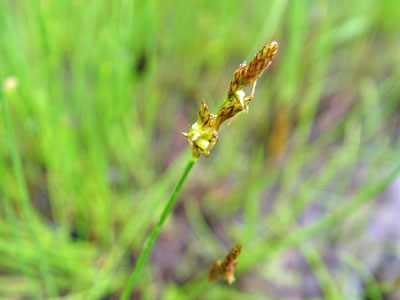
x=274, y=44
x=236, y=250
x=268, y=52
x=273, y=48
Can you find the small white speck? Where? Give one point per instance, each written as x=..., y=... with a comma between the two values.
x=10, y=84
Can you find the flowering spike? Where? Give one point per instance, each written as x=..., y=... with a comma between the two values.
x=203, y=134
x=225, y=269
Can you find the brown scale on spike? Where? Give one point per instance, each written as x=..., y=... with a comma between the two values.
x=225, y=269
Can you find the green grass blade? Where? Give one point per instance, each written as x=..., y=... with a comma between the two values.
x=43, y=264
x=154, y=234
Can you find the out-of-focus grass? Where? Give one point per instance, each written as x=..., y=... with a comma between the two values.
x=106, y=87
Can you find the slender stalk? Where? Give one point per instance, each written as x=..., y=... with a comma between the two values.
x=154, y=234
x=42, y=262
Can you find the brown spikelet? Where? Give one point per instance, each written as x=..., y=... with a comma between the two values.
x=244, y=76
x=225, y=269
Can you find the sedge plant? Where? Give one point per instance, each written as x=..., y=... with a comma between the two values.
x=203, y=136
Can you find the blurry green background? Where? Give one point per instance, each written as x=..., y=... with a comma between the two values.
x=98, y=93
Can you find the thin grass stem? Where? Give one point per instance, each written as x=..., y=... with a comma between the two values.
x=154, y=234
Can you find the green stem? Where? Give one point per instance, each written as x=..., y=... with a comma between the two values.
x=43, y=263
x=153, y=236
